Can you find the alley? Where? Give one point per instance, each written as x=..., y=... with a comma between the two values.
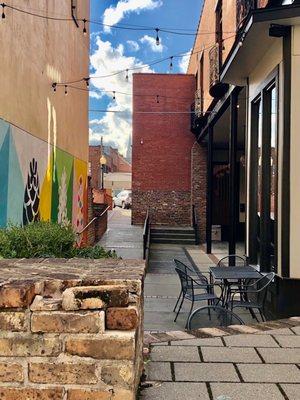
x=121, y=236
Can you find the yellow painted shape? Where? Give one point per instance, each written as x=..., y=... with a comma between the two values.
x=46, y=192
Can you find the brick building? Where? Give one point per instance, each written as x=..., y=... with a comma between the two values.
x=244, y=161
x=161, y=150
x=115, y=163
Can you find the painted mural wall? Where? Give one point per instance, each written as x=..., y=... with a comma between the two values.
x=39, y=181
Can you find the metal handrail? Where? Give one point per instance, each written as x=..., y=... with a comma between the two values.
x=146, y=235
x=195, y=225
x=93, y=220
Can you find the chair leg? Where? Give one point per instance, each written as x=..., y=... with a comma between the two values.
x=177, y=301
x=262, y=315
x=253, y=314
x=178, y=311
x=192, y=306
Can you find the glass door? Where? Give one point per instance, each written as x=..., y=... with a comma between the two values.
x=263, y=175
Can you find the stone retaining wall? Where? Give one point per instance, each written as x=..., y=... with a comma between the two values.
x=70, y=330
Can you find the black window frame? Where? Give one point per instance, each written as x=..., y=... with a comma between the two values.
x=260, y=237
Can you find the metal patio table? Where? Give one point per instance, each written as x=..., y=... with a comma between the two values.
x=231, y=275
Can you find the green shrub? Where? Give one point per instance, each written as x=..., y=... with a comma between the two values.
x=5, y=250
x=94, y=252
x=45, y=240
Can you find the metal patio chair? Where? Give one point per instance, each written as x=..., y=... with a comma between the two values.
x=251, y=296
x=232, y=260
x=196, y=275
x=189, y=288
x=211, y=316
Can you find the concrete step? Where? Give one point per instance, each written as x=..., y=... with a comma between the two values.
x=187, y=230
x=172, y=241
x=164, y=235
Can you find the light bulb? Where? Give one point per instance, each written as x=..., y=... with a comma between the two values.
x=157, y=37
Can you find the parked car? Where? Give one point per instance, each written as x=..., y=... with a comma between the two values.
x=123, y=199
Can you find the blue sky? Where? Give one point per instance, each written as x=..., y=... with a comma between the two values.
x=114, y=50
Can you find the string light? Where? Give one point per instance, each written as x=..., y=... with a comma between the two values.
x=3, y=10
x=171, y=63
x=157, y=37
x=87, y=81
x=153, y=95
x=66, y=90
x=174, y=31
x=242, y=39
x=84, y=27
x=155, y=62
x=150, y=112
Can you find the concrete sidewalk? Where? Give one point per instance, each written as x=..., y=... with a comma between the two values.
x=121, y=236
x=260, y=366
x=162, y=288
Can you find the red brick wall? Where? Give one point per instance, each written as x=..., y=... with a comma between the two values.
x=115, y=163
x=199, y=179
x=94, y=159
x=161, y=150
x=124, y=165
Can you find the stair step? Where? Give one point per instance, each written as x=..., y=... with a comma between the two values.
x=166, y=235
x=173, y=230
x=173, y=241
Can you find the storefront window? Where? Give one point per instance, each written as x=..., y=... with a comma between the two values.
x=264, y=169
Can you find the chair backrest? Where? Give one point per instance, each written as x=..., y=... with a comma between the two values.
x=187, y=282
x=262, y=287
x=183, y=267
x=212, y=316
x=232, y=260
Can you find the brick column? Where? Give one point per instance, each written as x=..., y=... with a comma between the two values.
x=198, y=194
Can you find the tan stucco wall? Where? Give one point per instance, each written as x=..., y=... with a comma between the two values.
x=295, y=163
x=34, y=53
x=271, y=60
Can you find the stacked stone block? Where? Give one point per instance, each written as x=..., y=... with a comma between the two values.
x=70, y=331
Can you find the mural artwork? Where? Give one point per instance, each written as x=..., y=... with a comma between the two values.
x=32, y=195
x=39, y=181
x=79, y=198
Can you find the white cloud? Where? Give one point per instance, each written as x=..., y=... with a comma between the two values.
x=115, y=14
x=151, y=42
x=95, y=95
x=184, y=63
x=133, y=46
x=114, y=127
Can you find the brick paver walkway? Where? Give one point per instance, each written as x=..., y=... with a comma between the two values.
x=260, y=366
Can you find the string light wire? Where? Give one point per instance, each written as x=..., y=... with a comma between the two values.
x=174, y=31
x=139, y=67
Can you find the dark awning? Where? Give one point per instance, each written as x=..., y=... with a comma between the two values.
x=254, y=41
